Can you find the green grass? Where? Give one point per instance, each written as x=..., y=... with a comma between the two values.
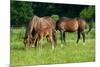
x=70, y=53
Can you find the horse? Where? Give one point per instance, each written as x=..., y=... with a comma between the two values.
x=38, y=28
x=65, y=24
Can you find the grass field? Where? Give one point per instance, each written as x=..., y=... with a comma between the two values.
x=70, y=53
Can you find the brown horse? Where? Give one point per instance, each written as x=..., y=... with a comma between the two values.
x=38, y=28
x=71, y=25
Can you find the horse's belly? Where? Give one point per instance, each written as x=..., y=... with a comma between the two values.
x=72, y=28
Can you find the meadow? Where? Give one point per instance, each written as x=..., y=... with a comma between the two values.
x=70, y=53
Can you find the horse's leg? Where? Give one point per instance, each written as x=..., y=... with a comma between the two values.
x=34, y=43
x=52, y=40
x=78, y=36
x=64, y=37
x=62, y=41
x=34, y=39
x=41, y=40
x=83, y=35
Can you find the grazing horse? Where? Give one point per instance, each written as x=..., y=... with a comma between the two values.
x=38, y=28
x=71, y=25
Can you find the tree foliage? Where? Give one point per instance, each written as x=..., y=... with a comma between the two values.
x=55, y=17
x=87, y=12
x=22, y=12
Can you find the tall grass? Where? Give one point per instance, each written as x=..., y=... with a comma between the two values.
x=70, y=53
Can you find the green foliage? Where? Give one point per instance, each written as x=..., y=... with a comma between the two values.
x=87, y=12
x=55, y=17
x=21, y=12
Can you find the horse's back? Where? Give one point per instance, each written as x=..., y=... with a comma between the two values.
x=67, y=24
x=48, y=22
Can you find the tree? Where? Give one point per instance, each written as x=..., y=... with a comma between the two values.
x=21, y=12
x=87, y=12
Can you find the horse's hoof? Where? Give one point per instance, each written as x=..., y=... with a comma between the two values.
x=27, y=47
x=33, y=46
x=53, y=47
x=62, y=45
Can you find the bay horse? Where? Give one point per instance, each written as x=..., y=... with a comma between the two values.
x=38, y=28
x=71, y=25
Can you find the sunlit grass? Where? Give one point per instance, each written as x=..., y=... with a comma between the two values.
x=70, y=53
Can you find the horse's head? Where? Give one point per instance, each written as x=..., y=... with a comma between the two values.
x=27, y=40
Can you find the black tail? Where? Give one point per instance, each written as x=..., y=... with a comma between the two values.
x=90, y=27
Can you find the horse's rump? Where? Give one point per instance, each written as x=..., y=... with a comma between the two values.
x=82, y=24
x=50, y=21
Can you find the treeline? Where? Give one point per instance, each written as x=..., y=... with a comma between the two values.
x=22, y=12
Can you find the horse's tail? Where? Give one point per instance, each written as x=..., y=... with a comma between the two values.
x=90, y=25
x=81, y=20
x=56, y=25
